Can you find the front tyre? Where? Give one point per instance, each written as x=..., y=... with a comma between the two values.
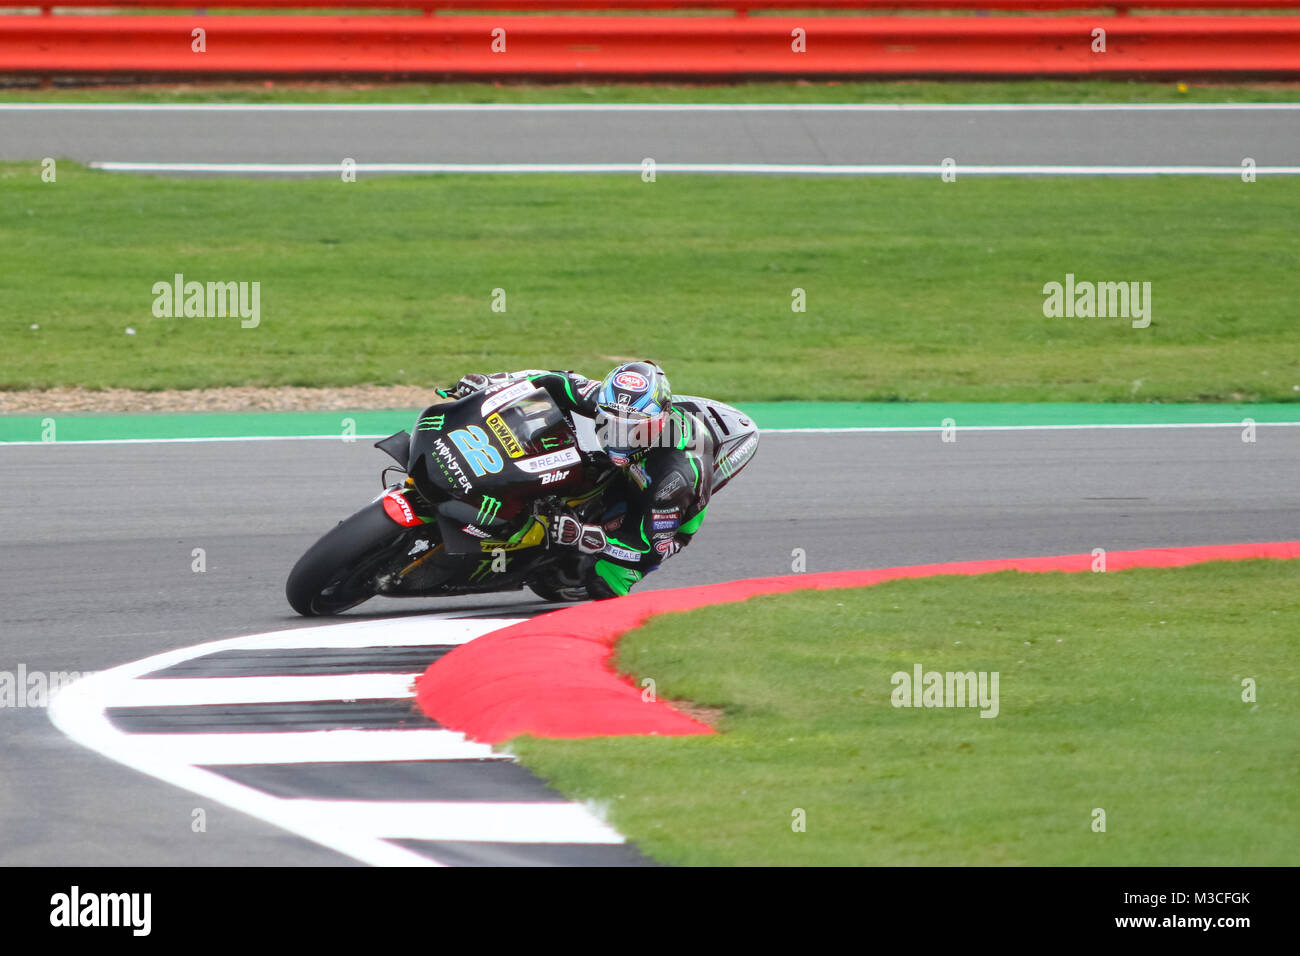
x=341, y=570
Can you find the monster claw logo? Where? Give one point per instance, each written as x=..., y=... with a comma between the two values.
x=487, y=511
x=431, y=423
x=499, y=562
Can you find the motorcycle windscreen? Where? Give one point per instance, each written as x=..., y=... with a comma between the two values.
x=534, y=437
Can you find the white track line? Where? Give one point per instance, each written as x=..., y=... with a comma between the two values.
x=644, y=107
x=84, y=721
x=188, y=441
x=391, y=632
x=1013, y=428
x=315, y=746
x=197, y=691
x=463, y=820
x=431, y=629
x=359, y=829
x=771, y=169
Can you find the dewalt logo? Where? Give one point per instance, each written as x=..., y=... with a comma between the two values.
x=504, y=435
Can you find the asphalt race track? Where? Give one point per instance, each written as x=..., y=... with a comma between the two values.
x=1123, y=136
x=96, y=541
x=95, y=567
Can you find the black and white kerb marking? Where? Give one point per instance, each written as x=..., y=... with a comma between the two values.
x=316, y=730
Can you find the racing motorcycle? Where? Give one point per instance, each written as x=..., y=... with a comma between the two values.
x=485, y=476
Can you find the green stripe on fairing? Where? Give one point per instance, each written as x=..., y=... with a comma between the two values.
x=82, y=427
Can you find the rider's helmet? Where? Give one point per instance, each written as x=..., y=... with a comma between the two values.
x=632, y=408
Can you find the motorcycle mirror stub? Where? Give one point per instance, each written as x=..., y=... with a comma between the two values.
x=397, y=447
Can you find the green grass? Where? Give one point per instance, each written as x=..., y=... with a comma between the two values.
x=1119, y=691
x=916, y=289
x=819, y=91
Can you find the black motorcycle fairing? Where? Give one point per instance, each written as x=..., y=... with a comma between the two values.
x=478, y=469
x=494, y=451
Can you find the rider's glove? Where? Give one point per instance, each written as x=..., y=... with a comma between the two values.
x=568, y=532
x=669, y=548
x=468, y=384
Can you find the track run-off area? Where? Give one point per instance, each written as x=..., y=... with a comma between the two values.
x=777, y=139
x=100, y=575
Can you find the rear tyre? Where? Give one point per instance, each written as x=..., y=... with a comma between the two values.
x=559, y=583
x=341, y=570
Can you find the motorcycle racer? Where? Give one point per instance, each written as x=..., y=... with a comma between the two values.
x=665, y=457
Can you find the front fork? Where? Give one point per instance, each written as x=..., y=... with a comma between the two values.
x=400, y=504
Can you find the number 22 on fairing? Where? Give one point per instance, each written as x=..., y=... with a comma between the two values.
x=473, y=444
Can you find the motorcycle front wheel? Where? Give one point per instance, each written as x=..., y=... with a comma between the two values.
x=341, y=570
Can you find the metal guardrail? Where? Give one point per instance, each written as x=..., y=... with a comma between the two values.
x=193, y=43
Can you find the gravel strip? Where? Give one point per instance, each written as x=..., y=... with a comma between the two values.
x=240, y=399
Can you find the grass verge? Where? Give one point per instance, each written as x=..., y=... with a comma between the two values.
x=916, y=290
x=1118, y=691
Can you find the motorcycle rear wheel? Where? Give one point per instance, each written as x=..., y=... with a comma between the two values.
x=559, y=584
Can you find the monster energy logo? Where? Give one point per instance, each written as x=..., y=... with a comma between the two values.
x=430, y=423
x=498, y=563
x=738, y=457
x=487, y=511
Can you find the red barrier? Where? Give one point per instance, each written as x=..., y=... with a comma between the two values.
x=659, y=47
x=551, y=676
x=738, y=6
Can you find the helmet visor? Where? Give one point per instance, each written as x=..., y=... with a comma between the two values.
x=624, y=434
